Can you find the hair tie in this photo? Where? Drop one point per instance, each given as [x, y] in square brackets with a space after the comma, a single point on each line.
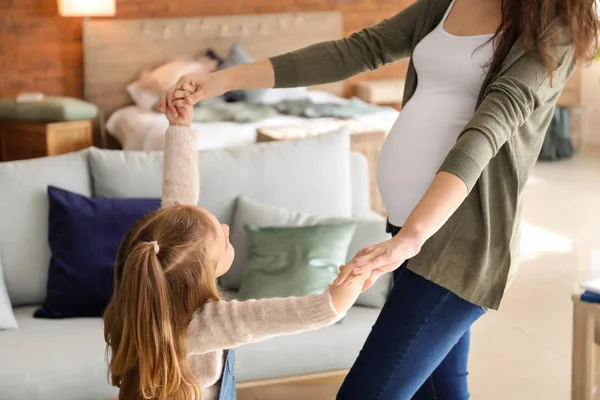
[154, 243]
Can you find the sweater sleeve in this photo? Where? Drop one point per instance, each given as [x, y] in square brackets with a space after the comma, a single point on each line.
[508, 104]
[223, 325]
[333, 61]
[181, 179]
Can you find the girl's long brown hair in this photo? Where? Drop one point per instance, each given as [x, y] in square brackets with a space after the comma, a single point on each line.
[154, 298]
[531, 20]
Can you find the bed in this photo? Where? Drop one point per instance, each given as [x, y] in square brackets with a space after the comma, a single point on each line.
[116, 51]
[138, 129]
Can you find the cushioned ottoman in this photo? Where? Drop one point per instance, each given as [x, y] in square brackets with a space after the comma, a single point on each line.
[49, 109]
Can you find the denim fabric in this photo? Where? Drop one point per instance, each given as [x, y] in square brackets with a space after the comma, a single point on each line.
[419, 346]
[228, 391]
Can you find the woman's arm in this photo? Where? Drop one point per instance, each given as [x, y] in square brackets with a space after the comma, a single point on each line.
[181, 177]
[509, 102]
[442, 199]
[333, 61]
[367, 50]
[222, 325]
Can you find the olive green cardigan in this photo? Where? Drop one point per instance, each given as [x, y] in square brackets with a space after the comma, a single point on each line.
[475, 253]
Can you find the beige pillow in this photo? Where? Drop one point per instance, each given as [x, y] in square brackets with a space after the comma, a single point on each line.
[165, 76]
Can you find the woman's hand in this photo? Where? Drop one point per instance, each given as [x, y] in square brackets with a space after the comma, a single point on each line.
[379, 259]
[199, 87]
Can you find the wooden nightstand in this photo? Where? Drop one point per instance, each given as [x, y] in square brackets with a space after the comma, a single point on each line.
[383, 92]
[24, 140]
[364, 139]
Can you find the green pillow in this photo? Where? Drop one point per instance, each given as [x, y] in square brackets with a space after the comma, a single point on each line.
[49, 109]
[293, 261]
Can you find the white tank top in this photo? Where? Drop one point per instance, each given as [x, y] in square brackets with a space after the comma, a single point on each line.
[450, 71]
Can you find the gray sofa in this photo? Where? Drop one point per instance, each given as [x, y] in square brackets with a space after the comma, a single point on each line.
[65, 359]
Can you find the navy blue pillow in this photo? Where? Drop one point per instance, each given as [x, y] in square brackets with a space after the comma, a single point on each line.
[84, 235]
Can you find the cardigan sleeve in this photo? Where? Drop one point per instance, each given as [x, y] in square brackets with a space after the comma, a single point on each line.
[333, 61]
[223, 325]
[181, 176]
[509, 103]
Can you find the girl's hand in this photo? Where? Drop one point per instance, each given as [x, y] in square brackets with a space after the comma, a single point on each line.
[199, 87]
[185, 111]
[344, 296]
[379, 259]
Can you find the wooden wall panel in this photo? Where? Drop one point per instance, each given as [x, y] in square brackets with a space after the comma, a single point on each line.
[40, 50]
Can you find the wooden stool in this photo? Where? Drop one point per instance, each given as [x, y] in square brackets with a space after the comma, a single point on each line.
[25, 140]
[586, 317]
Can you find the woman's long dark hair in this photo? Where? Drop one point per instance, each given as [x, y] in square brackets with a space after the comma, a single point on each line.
[531, 19]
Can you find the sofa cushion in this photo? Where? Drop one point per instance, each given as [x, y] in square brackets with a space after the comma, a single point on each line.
[333, 348]
[293, 261]
[7, 318]
[54, 359]
[64, 359]
[85, 234]
[311, 175]
[250, 212]
[24, 218]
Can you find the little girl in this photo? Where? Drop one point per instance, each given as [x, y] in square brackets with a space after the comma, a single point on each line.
[168, 328]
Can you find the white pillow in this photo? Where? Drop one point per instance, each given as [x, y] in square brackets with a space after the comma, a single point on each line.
[166, 75]
[250, 212]
[145, 99]
[7, 318]
[277, 95]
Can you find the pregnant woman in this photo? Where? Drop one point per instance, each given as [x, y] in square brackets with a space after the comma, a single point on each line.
[482, 85]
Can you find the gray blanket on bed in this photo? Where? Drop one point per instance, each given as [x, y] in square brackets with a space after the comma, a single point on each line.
[217, 110]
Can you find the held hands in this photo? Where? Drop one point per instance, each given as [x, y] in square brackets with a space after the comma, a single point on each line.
[189, 90]
[256, 75]
[184, 111]
[379, 259]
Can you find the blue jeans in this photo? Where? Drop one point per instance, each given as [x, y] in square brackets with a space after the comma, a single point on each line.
[228, 389]
[418, 348]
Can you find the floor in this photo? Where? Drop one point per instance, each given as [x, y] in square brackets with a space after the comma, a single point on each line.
[523, 351]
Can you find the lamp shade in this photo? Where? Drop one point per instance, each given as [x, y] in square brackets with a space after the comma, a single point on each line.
[87, 8]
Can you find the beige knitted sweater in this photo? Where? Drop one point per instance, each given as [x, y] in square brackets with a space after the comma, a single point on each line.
[222, 325]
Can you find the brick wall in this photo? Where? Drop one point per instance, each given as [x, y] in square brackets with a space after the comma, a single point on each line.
[41, 51]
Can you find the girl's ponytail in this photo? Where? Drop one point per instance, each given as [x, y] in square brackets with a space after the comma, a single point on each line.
[150, 350]
[163, 274]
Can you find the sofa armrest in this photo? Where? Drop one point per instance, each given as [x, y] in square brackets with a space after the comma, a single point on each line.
[370, 215]
[360, 185]
[370, 231]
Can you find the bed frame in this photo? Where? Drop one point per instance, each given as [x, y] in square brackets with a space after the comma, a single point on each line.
[117, 51]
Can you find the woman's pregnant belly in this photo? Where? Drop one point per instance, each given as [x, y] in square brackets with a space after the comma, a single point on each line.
[423, 135]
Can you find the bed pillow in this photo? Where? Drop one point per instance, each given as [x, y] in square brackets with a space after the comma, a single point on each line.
[143, 98]
[253, 213]
[7, 318]
[165, 76]
[84, 235]
[238, 56]
[293, 261]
